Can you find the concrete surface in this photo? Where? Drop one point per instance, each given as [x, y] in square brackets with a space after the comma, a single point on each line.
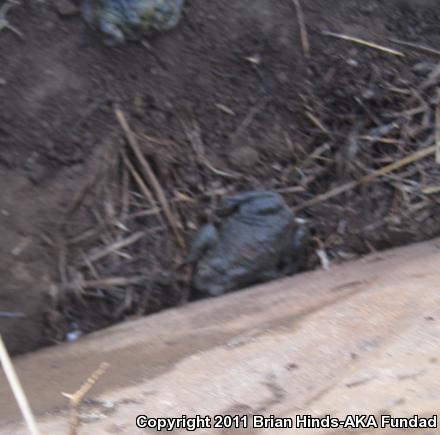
[363, 338]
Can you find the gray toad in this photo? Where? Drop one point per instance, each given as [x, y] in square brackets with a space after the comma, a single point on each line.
[258, 240]
[132, 19]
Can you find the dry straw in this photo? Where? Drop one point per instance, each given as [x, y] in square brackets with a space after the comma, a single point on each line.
[17, 389]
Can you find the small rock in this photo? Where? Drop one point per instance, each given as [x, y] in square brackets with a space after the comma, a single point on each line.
[282, 77]
[65, 8]
[244, 157]
[368, 94]
[74, 334]
[423, 68]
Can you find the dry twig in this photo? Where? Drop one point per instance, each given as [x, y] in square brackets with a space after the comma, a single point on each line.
[151, 177]
[431, 190]
[363, 42]
[225, 109]
[368, 178]
[115, 247]
[106, 283]
[77, 397]
[158, 141]
[17, 389]
[416, 46]
[318, 123]
[195, 140]
[302, 28]
[249, 118]
[141, 185]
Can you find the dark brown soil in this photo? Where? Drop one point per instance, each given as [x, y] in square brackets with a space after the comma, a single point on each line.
[224, 102]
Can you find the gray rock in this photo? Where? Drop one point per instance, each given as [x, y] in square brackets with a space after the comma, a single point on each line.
[65, 8]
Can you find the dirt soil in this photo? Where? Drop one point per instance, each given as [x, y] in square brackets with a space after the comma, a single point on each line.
[226, 101]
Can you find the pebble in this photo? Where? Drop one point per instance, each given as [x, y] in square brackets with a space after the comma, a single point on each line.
[65, 8]
[244, 157]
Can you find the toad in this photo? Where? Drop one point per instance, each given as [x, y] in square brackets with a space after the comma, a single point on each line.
[258, 240]
[119, 20]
